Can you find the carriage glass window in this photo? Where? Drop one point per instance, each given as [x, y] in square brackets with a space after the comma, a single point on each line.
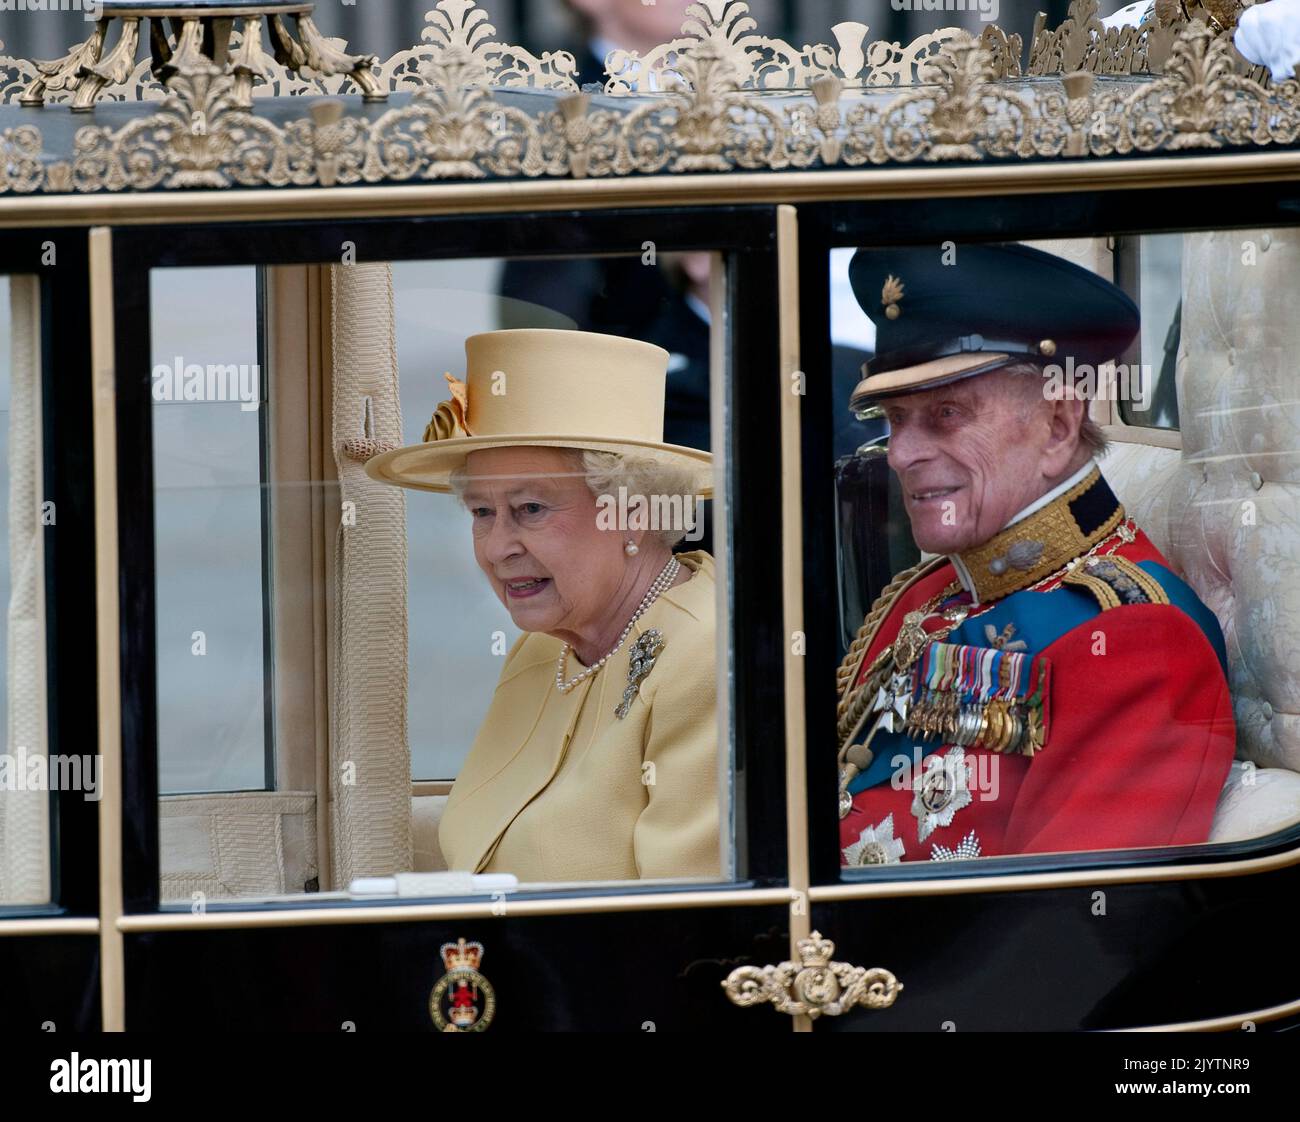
[430, 593]
[27, 773]
[1149, 267]
[1060, 635]
[208, 436]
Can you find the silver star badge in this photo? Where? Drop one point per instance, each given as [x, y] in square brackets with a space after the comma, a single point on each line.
[876, 845]
[893, 703]
[941, 791]
[967, 849]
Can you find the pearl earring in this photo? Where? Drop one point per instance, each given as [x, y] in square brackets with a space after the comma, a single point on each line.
[631, 548]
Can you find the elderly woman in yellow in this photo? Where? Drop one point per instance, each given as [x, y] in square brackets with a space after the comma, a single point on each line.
[598, 758]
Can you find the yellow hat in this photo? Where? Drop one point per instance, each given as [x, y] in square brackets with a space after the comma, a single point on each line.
[552, 389]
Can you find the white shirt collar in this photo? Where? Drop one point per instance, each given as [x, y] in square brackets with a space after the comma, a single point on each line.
[963, 574]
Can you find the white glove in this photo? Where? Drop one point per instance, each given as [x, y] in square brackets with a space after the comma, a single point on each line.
[1269, 35]
[1129, 16]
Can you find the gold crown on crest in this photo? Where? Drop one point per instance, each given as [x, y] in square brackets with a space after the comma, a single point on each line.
[461, 955]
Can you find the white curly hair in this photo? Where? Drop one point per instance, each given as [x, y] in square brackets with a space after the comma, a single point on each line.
[1091, 435]
[664, 487]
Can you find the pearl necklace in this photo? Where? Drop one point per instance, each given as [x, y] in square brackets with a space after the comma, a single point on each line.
[662, 581]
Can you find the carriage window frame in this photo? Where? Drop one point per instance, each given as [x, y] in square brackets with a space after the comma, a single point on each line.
[55, 258]
[914, 217]
[745, 237]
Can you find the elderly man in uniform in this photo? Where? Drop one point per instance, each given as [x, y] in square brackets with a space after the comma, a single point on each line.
[1046, 682]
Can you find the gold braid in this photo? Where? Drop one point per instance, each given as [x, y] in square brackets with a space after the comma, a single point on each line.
[853, 702]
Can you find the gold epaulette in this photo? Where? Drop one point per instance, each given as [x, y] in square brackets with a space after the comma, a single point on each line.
[849, 669]
[1116, 581]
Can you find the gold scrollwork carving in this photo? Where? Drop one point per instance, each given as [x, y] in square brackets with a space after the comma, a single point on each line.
[1083, 43]
[206, 132]
[20, 159]
[200, 137]
[453, 128]
[958, 113]
[86, 73]
[815, 986]
[462, 26]
[62, 75]
[760, 62]
[1200, 102]
[1073, 44]
[451, 23]
[15, 75]
[726, 30]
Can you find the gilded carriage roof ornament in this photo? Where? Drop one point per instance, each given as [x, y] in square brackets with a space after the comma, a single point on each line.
[758, 62]
[699, 104]
[1082, 43]
[203, 31]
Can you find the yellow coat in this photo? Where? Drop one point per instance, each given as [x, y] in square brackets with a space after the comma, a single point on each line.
[557, 788]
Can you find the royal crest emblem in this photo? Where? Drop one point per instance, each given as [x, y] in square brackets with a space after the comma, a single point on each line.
[462, 1000]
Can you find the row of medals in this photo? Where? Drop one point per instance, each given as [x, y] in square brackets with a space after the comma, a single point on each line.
[998, 725]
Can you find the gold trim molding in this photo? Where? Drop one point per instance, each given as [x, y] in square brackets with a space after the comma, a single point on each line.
[52, 925]
[301, 912]
[1226, 1024]
[710, 112]
[867, 889]
[949, 181]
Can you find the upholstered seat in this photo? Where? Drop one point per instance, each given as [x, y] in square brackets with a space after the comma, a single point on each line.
[1225, 510]
[426, 813]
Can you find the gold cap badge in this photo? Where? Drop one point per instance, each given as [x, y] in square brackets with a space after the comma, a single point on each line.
[890, 295]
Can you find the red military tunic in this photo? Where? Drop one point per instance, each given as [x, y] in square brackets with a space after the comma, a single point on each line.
[1137, 731]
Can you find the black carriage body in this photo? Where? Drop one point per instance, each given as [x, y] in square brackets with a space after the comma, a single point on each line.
[1013, 945]
[1003, 944]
